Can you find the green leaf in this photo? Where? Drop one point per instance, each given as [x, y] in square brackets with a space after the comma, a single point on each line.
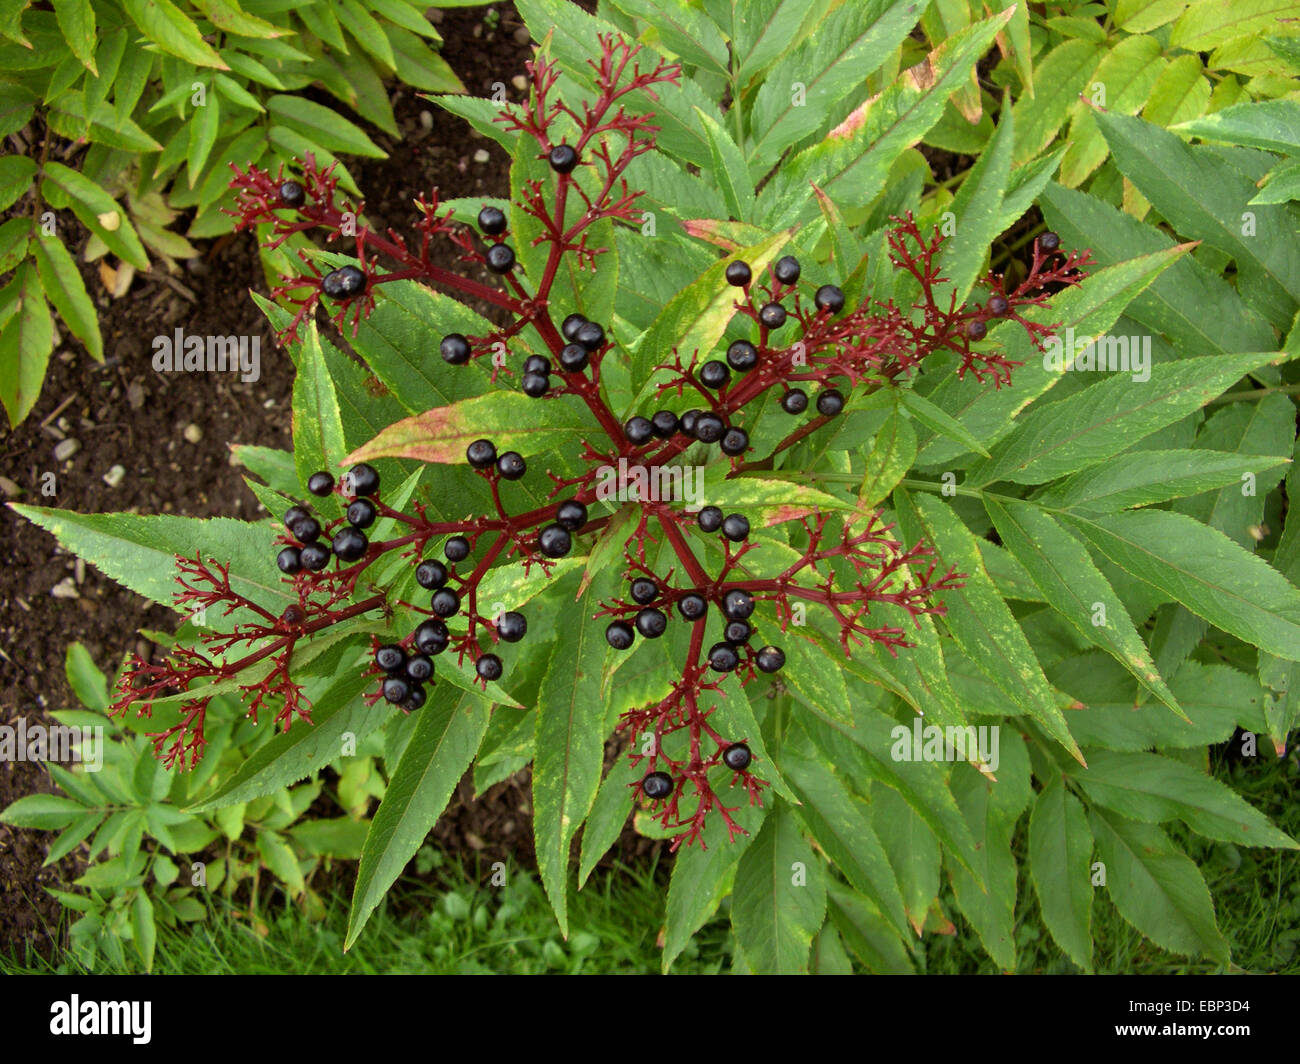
[1060, 865]
[89, 202]
[278, 857]
[173, 31]
[227, 16]
[76, 20]
[1156, 888]
[728, 168]
[1153, 789]
[87, 682]
[913, 852]
[867, 933]
[1206, 25]
[1270, 124]
[317, 425]
[446, 738]
[203, 135]
[1204, 570]
[609, 812]
[939, 421]
[42, 811]
[779, 900]
[368, 33]
[1059, 564]
[144, 931]
[892, 453]
[684, 29]
[1059, 78]
[323, 126]
[66, 290]
[26, 341]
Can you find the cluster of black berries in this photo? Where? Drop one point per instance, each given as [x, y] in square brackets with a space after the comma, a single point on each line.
[737, 605]
[554, 540]
[349, 543]
[659, 785]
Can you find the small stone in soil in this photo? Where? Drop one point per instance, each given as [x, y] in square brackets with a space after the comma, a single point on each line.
[520, 82]
[65, 449]
[193, 433]
[481, 156]
[115, 476]
[65, 588]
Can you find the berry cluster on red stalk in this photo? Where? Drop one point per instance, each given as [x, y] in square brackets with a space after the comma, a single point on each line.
[845, 567]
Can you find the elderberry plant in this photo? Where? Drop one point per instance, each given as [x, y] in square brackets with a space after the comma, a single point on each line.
[691, 482]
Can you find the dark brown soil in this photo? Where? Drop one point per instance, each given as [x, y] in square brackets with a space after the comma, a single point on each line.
[124, 413]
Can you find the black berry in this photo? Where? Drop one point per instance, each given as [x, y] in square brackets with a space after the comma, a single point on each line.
[619, 635]
[770, 659]
[512, 627]
[657, 785]
[361, 479]
[795, 401]
[481, 454]
[456, 549]
[489, 667]
[416, 698]
[291, 194]
[361, 513]
[686, 423]
[295, 514]
[829, 402]
[396, 689]
[735, 527]
[511, 465]
[723, 657]
[563, 158]
[289, 560]
[692, 607]
[590, 335]
[445, 602]
[571, 325]
[736, 441]
[571, 515]
[772, 315]
[492, 221]
[535, 384]
[431, 574]
[1049, 241]
[739, 273]
[742, 356]
[537, 364]
[651, 623]
[419, 668]
[306, 529]
[349, 543]
[554, 541]
[343, 283]
[321, 483]
[709, 428]
[315, 556]
[786, 270]
[997, 305]
[664, 424]
[644, 591]
[737, 757]
[638, 429]
[714, 374]
[709, 519]
[830, 298]
[454, 349]
[431, 638]
[574, 358]
[976, 330]
[737, 604]
[737, 632]
[390, 658]
[500, 258]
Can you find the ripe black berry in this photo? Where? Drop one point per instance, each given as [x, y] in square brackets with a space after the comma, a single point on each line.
[361, 479]
[571, 325]
[390, 657]
[481, 454]
[723, 657]
[829, 402]
[554, 541]
[742, 356]
[657, 785]
[563, 158]
[361, 513]
[644, 591]
[830, 298]
[396, 689]
[489, 667]
[735, 527]
[295, 514]
[321, 483]
[651, 623]
[618, 634]
[456, 549]
[419, 668]
[795, 401]
[343, 283]
[737, 604]
[431, 638]
[314, 556]
[430, 574]
[737, 757]
[739, 273]
[997, 305]
[415, 699]
[692, 607]
[445, 602]
[492, 221]
[638, 429]
[976, 330]
[289, 560]
[714, 374]
[664, 424]
[772, 315]
[306, 529]
[574, 358]
[709, 519]
[786, 269]
[349, 543]
[512, 626]
[535, 384]
[571, 515]
[686, 423]
[590, 335]
[737, 632]
[770, 659]
[454, 349]
[537, 364]
[511, 465]
[500, 258]
[736, 441]
[709, 428]
[291, 194]
[1049, 241]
